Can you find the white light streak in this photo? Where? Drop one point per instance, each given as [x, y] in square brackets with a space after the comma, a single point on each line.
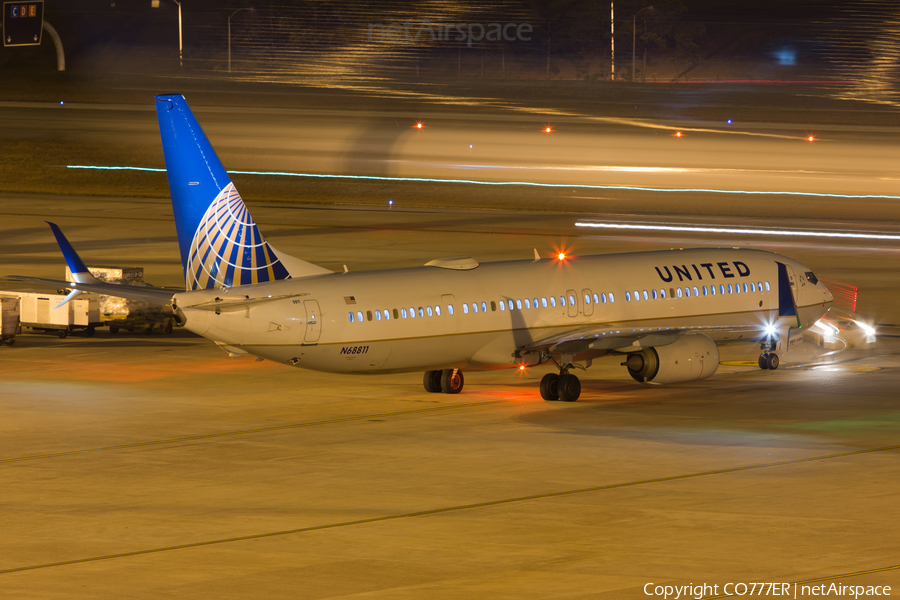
[740, 230]
[583, 186]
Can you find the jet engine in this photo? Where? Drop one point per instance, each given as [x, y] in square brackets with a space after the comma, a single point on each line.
[692, 357]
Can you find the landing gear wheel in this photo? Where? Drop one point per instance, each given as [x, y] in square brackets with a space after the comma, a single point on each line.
[89, 332]
[432, 381]
[113, 329]
[11, 341]
[773, 361]
[763, 362]
[569, 388]
[451, 381]
[550, 387]
[168, 328]
[62, 334]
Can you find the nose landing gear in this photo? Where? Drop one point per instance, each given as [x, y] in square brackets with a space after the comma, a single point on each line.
[767, 357]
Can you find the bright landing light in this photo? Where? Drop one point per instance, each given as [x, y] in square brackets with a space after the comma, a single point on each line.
[739, 230]
[870, 331]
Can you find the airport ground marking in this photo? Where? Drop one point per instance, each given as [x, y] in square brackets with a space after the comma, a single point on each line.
[507, 183]
[224, 434]
[461, 507]
[826, 578]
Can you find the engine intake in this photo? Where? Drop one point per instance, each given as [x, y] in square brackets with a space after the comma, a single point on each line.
[691, 358]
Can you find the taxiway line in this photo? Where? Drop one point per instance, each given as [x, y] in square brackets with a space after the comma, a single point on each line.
[206, 436]
[449, 509]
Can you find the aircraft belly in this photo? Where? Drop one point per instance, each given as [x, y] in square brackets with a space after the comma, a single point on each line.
[425, 354]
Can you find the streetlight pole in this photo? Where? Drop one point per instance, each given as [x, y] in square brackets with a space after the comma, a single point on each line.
[180, 47]
[612, 41]
[229, 34]
[155, 4]
[634, 37]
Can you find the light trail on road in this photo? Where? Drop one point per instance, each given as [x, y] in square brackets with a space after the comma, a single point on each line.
[738, 230]
[512, 183]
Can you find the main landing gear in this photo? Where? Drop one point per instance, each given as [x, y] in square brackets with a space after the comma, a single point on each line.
[565, 386]
[449, 381]
[767, 357]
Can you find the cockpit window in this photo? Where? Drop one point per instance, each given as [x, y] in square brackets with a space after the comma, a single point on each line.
[811, 277]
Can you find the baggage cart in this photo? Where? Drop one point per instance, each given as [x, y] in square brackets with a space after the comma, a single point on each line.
[9, 319]
[39, 313]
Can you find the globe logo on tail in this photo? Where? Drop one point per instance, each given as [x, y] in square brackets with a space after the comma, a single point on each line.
[228, 249]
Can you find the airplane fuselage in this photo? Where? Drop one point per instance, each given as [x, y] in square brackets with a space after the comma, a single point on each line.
[479, 317]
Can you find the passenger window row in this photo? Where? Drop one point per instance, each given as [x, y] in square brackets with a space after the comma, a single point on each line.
[403, 313]
[552, 302]
[688, 291]
[476, 307]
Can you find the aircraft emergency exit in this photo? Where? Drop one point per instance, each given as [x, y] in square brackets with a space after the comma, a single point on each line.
[662, 313]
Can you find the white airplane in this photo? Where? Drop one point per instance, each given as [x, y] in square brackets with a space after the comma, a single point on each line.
[663, 312]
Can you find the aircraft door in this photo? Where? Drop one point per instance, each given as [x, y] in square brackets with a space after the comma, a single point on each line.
[792, 278]
[588, 302]
[572, 302]
[313, 322]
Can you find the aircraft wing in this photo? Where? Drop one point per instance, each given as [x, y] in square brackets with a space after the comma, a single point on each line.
[85, 282]
[605, 337]
[147, 294]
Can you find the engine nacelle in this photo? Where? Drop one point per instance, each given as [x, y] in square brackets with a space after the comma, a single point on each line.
[691, 358]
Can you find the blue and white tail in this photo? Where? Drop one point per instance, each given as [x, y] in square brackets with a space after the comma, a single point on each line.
[220, 244]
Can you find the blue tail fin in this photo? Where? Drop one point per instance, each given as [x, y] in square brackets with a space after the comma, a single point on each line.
[221, 246]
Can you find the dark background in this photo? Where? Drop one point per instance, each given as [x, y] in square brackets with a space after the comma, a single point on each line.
[689, 39]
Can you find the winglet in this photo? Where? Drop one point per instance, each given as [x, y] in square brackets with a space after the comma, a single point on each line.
[537, 256]
[68, 297]
[77, 267]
